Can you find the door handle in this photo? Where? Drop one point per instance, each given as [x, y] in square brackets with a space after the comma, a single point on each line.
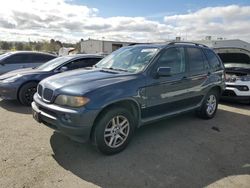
[184, 78]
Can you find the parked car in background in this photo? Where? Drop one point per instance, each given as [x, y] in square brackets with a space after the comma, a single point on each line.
[21, 59]
[22, 84]
[237, 66]
[131, 87]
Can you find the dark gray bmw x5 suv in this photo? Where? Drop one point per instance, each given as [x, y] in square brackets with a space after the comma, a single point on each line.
[133, 86]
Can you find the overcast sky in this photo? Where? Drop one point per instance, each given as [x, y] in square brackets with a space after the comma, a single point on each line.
[131, 20]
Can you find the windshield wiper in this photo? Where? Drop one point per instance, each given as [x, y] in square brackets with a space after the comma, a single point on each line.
[117, 69]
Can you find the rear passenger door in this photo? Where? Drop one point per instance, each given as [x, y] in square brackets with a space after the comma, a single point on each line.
[198, 71]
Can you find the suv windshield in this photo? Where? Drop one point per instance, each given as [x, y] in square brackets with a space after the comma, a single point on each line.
[52, 64]
[129, 59]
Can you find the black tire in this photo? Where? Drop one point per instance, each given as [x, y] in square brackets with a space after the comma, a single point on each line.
[203, 111]
[105, 122]
[26, 93]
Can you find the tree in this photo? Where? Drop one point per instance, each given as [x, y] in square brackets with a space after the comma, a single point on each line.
[27, 47]
[38, 46]
[19, 46]
[6, 45]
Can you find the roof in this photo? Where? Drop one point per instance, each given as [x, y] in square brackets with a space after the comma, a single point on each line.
[85, 55]
[32, 52]
[163, 45]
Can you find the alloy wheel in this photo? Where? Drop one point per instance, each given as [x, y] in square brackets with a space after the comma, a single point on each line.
[116, 131]
[211, 104]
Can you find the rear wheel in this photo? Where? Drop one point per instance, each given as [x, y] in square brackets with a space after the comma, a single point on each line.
[27, 92]
[114, 130]
[209, 106]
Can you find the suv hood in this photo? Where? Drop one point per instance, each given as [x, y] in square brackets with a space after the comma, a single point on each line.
[23, 72]
[79, 82]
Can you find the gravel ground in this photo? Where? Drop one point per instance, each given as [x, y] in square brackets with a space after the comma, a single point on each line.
[183, 151]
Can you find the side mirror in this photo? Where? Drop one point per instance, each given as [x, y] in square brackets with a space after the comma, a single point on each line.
[163, 71]
[63, 69]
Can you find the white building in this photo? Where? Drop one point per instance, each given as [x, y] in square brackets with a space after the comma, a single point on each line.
[234, 43]
[92, 46]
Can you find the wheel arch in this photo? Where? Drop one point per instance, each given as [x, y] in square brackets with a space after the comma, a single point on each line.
[216, 88]
[131, 104]
[24, 83]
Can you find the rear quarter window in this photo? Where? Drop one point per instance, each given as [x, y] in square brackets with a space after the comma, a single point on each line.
[213, 60]
[40, 58]
[17, 59]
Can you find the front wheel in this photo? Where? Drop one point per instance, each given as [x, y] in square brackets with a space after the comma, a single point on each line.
[209, 106]
[114, 130]
[27, 92]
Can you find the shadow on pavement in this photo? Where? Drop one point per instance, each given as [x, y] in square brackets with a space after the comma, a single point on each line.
[15, 106]
[183, 151]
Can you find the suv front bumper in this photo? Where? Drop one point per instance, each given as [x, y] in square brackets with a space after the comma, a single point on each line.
[74, 123]
[236, 91]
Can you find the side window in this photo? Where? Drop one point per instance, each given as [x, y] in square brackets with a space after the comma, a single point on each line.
[39, 58]
[80, 63]
[173, 58]
[213, 60]
[17, 59]
[92, 61]
[196, 61]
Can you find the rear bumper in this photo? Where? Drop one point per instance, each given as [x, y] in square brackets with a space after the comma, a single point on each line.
[8, 91]
[76, 124]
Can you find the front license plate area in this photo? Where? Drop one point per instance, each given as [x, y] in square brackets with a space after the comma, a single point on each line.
[36, 116]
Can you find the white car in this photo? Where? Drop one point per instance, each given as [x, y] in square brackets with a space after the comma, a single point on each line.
[237, 66]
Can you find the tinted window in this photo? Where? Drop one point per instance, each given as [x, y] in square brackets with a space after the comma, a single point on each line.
[81, 63]
[173, 58]
[196, 62]
[40, 58]
[91, 62]
[17, 59]
[213, 60]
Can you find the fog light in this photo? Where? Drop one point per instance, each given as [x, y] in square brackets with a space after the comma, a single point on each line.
[66, 117]
[245, 88]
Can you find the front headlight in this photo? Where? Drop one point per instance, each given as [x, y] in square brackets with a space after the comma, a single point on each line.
[12, 79]
[72, 101]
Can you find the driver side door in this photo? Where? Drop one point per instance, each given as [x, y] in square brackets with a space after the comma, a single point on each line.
[168, 94]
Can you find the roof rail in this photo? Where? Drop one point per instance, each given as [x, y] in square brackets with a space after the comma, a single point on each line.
[133, 44]
[196, 44]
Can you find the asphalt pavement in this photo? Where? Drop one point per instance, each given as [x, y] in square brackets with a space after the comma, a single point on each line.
[183, 151]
